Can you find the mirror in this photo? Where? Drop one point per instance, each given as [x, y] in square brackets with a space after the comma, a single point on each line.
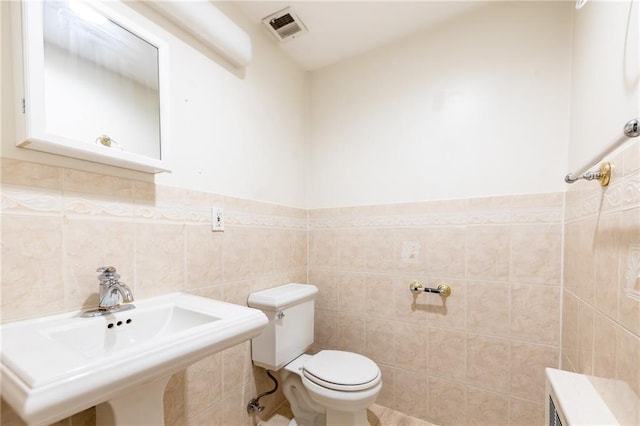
[93, 86]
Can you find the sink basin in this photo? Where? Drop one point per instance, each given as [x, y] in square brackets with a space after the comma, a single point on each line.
[56, 366]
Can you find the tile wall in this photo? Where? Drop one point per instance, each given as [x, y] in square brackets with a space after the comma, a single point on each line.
[479, 357]
[601, 313]
[59, 225]
[476, 359]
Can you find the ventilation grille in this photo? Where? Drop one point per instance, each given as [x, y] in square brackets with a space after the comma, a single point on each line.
[554, 418]
[285, 24]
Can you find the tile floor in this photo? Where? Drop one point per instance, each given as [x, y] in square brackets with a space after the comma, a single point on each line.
[377, 415]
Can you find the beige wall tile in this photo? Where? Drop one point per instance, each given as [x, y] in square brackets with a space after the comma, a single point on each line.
[385, 397]
[16, 172]
[570, 328]
[212, 292]
[261, 251]
[630, 189]
[210, 417]
[487, 408]
[150, 194]
[323, 246]
[606, 254]
[446, 252]
[488, 364]
[535, 313]
[352, 289]
[585, 260]
[628, 306]
[31, 267]
[378, 250]
[379, 296]
[328, 284]
[159, 254]
[571, 256]
[203, 256]
[237, 292]
[605, 346]
[236, 258]
[234, 409]
[488, 252]
[528, 362]
[203, 383]
[447, 403]
[525, 413]
[535, 254]
[545, 200]
[379, 346]
[327, 329]
[351, 249]
[93, 183]
[410, 390]
[410, 346]
[488, 308]
[236, 366]
[585, 339]
[628, 359]
[447, 354]
[290, 249]
[495, 203]
[352, 333]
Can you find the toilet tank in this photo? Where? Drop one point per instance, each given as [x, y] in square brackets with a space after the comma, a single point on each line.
[290, 310]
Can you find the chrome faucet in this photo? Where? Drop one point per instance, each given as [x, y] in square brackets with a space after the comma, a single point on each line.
[111, 289]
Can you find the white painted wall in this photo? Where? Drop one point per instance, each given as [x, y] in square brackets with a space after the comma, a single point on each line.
[237, 134]
[605, 78]
[477, 106]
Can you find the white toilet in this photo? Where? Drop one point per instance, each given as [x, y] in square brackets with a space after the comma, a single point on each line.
[329, 388]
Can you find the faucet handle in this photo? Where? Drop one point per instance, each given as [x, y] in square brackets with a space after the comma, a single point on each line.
[107, 273]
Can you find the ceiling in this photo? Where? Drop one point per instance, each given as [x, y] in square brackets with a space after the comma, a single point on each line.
[341, 29]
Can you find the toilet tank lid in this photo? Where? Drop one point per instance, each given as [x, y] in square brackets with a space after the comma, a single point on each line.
[282, 297]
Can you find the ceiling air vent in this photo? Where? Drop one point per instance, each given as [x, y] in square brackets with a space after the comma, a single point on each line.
[285, 24]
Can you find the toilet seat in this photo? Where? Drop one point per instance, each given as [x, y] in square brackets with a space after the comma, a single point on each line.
[342, 371]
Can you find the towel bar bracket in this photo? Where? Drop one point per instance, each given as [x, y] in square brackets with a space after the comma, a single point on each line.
[632, 128]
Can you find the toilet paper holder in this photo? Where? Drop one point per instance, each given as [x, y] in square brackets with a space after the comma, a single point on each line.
[443, 289]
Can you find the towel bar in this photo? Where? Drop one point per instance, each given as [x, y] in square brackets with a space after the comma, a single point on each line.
[443, 289]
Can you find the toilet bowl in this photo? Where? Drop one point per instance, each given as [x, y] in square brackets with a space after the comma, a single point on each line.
[329, 388]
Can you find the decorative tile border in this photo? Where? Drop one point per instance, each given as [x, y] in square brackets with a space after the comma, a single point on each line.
[632, 274]
[537, 215]
[27, 200]
[468, 218]
[96, 207]
[261, 220]
[631, 191]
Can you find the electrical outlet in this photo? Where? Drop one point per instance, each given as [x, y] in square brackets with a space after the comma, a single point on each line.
[217, 219]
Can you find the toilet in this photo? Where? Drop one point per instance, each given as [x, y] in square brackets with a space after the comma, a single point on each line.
[329, 388]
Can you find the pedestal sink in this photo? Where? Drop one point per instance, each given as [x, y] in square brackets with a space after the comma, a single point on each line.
[56, 366]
